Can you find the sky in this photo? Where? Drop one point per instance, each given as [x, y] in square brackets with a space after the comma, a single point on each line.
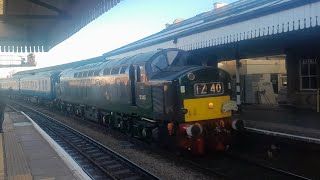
[127, 22]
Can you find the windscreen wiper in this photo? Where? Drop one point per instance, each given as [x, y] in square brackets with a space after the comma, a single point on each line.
[158, 68]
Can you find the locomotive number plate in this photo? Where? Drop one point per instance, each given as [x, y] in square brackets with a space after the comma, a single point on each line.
[201, 89]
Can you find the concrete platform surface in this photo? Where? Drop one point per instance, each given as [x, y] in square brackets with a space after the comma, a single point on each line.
[25, 154]
[282, 119]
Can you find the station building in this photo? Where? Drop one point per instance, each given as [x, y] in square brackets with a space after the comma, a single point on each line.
[263, 80]
[303, 69]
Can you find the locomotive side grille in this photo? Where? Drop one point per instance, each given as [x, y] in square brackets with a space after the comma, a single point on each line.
[158, 99]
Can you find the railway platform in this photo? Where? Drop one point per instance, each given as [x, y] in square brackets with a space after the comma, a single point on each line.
[26, 154]
[285, 121]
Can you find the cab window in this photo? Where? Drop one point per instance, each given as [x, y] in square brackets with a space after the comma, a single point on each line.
[159, 63]
[172, 56]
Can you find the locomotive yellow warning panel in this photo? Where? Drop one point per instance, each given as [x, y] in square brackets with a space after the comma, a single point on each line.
[205, 108]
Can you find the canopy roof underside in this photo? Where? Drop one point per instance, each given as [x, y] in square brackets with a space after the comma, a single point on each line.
[39, 25]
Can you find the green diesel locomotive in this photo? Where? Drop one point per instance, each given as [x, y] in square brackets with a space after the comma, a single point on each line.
[165, 96]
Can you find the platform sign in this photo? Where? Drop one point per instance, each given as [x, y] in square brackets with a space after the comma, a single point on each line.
[310, 61]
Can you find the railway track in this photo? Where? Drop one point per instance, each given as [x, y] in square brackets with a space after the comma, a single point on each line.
[227, 166]
[98, 161]
[231, 167]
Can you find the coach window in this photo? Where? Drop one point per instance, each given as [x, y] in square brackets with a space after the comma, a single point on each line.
[80, 74]
[309, 73]
[96, 72]
[106, 71]
[90, 73]
[115, 70]
[123, 69]
[159, 63]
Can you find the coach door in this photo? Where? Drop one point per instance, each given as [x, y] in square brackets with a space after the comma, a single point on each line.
[132, 77]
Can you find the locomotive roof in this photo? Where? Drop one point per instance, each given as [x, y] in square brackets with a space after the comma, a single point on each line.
[89, 66]
[110, 63]
[61, 67]
[38, 75]
[10, 79]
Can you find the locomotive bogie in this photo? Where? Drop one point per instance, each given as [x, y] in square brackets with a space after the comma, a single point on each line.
[211, 134]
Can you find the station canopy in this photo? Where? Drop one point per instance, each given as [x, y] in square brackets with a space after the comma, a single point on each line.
[39, 25]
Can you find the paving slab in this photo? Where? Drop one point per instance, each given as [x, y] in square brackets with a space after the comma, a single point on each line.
[25, 154]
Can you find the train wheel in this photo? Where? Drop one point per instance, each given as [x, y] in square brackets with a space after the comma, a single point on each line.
[104, 120]
[129, 127]
[77, 112]
[107, 121]
[110, 122]
[99, 117]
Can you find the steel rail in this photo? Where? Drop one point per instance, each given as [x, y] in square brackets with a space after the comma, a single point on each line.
[228, 173]
[143, 174]
[280, 171]
[225, 176]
